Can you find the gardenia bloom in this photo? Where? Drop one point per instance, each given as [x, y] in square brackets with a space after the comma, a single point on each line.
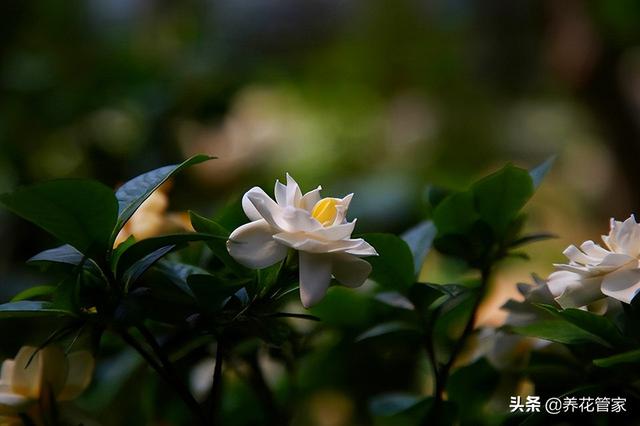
[594, 272]
[25, 378]
[316, 227]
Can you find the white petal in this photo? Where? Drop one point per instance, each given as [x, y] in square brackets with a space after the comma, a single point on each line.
[572, 290]
[315, 276]
[350, 270]
[593, 250]
[362, 249]
[342, 207]
[294, 195]
[622, 285]
[335, 232]
[299, 220]
[310, 199]
[248, 207]
[280, 191]
[268, 209]
[305, 242]
[81, 365]
[253, 245]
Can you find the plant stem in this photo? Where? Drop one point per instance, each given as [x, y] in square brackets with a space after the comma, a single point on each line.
[442, 375]
[215, 396]
[161, 369]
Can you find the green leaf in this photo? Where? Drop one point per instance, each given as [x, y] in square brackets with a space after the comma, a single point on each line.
[538, 173]
[387, 328]
[81, 213]
[63, 254]
[558, 331]
[419, 239]
[178, 273]
[597, 325]
[134, 192]
[393, 267]
[471, 387]
[30, 308]
[500, 196]
[218, 245]
[455, 214]
[393, 403]
[139, 268]
[34, 292]
[630, 357]
[147, 246]
[211, 292]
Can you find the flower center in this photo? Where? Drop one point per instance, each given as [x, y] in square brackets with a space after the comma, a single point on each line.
[325, 211]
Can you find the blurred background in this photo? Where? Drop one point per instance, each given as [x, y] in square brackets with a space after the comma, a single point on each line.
[374, 97]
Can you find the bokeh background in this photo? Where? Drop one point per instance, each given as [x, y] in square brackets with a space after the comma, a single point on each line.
[375, 97]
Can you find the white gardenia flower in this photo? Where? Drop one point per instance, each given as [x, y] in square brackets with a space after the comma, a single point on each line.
[34, 371]
[594, 272]
[316, 227]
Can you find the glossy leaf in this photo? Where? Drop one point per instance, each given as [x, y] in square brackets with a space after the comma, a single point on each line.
[419, 239]
[81, 213]
[393, 268]
[63, 254]
[30, 308]
[630, 357]
[499, 197]
[134, 192]
[387, 328]
[539, 172]
[34, 292]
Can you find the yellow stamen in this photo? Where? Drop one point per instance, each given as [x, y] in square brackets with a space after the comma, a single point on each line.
[325, 211]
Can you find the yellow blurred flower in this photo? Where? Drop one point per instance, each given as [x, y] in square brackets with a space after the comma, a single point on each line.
[35, 372]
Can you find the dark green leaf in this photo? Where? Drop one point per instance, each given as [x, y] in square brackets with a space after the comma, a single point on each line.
[139, 268]
[81, 213]
[393, 403]
[395, 299]
[630, 357]
[30, 308]
[219, 245]
[147, 246]
[419, 239]
[532, 238]
[455, 214]
[558, 331]
[178, 273]
[34, 292]
[500, 196]
[211, 292]
[471, 387]
[393, 268]
[133, 193]
[63, 254]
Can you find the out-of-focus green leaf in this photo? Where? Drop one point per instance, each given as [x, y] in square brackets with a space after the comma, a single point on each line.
[407, 410]
[31, 308]
[395, 299]
[34, 292]
[532, 238]
[392, 327]
[539, 172]
[471, 387]
[81, 213]
[393, 403]
[455, 214]
[630, 357]
[393, 267]
[499, 197]
[134, 192]
[419, 239]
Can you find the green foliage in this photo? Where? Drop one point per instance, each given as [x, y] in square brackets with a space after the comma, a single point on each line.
[133, 193]
[77, 212]
[393, 268]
